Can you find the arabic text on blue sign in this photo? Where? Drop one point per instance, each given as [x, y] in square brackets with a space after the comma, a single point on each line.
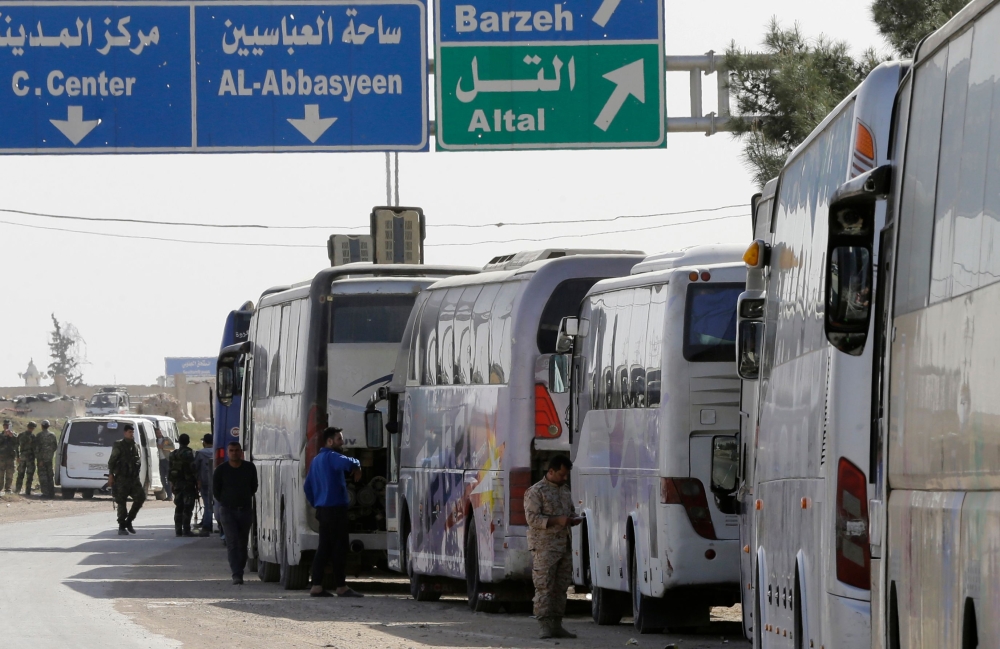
[213, 77]
[197, 366]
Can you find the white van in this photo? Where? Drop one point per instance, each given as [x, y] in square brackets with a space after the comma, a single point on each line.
[85, 448]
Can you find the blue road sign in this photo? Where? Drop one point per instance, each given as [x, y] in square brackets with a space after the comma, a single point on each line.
[213, 77]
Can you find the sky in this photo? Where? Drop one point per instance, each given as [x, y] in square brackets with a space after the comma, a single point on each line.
[137, 301]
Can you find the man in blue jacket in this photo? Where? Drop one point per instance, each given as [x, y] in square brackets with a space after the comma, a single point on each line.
[326, 490]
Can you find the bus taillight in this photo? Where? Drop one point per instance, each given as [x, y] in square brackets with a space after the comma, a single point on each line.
[547, 425]
[220, 456]
[520, 480]
[690, 493]
[853, 554]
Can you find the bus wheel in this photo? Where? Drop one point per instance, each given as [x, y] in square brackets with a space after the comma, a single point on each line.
[268, 571]
[644, 618]
[252, 563]
[605, 606]
[291, 577]
[474, 587]
[87, 494]
[68, 493]
[420, 587]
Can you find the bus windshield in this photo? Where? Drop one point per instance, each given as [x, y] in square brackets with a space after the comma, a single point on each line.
[370, 318]
[710, 323]
[95, 433]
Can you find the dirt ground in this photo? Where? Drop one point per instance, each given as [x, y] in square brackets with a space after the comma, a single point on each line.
[17, 507]
[186, 595]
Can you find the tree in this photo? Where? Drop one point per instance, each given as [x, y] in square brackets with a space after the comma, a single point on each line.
[65, 347]
[783, 92]
[904, 22]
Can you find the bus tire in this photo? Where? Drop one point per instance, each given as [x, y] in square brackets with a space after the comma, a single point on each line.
[291, 577]
[68, 493]
[474, 587]
[252, 562]
[605, 606]
[420, 586]
[87, 494]
[267, 571]
[644, 617]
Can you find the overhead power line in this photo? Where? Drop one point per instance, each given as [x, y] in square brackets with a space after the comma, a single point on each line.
[260, 226]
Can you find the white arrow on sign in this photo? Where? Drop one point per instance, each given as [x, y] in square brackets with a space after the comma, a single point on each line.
[629, 80]
[313, 126]
[604, 12]
[74, 126]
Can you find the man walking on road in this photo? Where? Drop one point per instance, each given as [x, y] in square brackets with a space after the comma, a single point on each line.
[8, 455]
[184, 483]
[123, 476]
[164, 447]
[45, 445]
[326, 490]
[26, 459]
[548, 506]
[203, 462]
[233, 485]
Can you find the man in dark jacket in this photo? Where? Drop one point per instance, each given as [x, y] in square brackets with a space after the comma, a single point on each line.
[123, 476]
[8, 455]
[233, 485]
[326, 490]
[184, 483]
[204, 465]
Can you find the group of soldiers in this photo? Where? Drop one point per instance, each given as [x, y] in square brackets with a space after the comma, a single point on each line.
[25, 451]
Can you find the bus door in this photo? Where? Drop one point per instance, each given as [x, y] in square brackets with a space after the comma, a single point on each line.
[392, 495]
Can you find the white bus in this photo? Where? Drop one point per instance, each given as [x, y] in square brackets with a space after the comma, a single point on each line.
[750, 314]
[655, 429]
[935, 517]
[810, 458]
[316, 351]
[482, 409]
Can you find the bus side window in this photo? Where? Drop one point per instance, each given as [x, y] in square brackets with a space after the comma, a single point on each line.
[463, 335]
[275, 349]
[598, 319]
[654, 344]
[501, 332]
[284, 347]
[428, 338]
[416, 345]
[446, 337]
[622, 393]
[262, 342]
[607, 388]
[637, 348]
[481, 315]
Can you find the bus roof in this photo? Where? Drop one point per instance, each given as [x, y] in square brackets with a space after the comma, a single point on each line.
[708, 255]
[966, 15]
[578, 261]
[525, 257]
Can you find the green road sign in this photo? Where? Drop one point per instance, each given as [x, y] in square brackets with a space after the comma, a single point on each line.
[550, 76]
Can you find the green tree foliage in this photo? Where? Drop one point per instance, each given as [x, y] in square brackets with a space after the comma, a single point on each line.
[904, 22]
[785, 90]
[64, 346]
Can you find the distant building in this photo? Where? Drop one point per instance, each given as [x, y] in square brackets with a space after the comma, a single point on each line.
[32, 377]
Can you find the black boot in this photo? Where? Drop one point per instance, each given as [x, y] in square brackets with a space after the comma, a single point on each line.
[128, 525]
[122, 531]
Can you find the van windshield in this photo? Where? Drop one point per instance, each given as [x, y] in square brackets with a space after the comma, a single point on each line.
[104, 400]
[370, 318]
[710, 323]
[95, 433]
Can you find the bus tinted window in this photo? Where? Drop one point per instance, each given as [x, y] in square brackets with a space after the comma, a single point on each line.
[370, 318]
[564, 301]
[446, 337]
[710, 323]
[637, 349]
[481, 333]
[261, 342]
[501, 332]
[463, 335]
[427, 340]
[620, 396]
[95, 433]
[654, 343]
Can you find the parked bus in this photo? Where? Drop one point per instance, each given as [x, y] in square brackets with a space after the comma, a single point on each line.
[477, 408]
[316, 351]
[654, 431]
[226, 422]
[810, 459]
[935, 516]
[750, 317]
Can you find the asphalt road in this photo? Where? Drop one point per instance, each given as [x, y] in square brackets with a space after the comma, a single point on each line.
[71, 582]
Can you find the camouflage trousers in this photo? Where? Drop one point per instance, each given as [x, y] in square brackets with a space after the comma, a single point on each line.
[552, 574]
[122, 493]
[7, 472]
[184, 498]
[25, 466]
[45, 478]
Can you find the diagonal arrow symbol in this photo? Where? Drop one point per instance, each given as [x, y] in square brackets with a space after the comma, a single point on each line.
[312, 126]
[74, 126]
[628, 80]
[604, 12]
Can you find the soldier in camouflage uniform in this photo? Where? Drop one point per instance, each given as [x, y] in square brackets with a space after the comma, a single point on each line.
[44, 446]
[8, 455]
[548, 506]
[26, 459]
[185, 485]
[124, 467]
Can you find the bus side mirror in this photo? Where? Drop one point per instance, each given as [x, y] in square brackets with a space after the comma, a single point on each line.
[850, 269]
[569, 329]
[749, 334]
[373, 428]
[225, 381]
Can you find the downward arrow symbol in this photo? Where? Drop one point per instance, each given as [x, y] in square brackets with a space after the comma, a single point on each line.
[629, 80]
[313, 126]
[74, 126]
